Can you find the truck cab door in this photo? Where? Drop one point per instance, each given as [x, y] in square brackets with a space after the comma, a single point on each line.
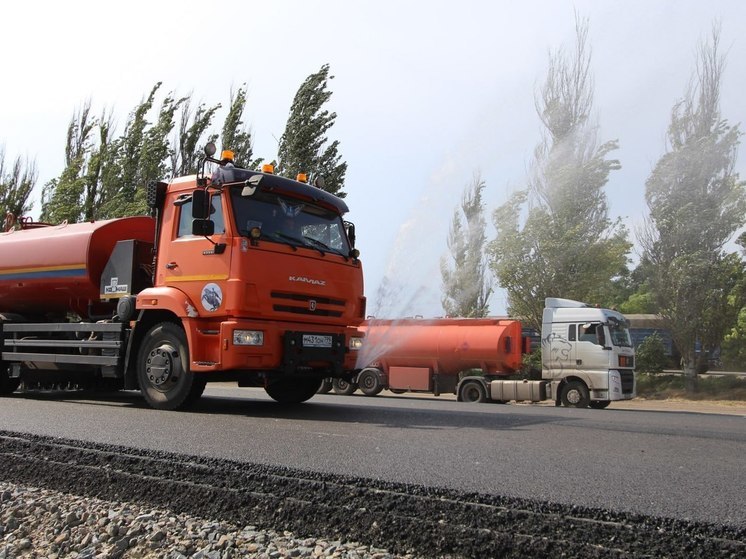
[591, 349]
[190, 262]
[558, 349]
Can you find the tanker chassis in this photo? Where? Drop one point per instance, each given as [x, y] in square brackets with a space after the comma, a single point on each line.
[242, 276]
[587, 358]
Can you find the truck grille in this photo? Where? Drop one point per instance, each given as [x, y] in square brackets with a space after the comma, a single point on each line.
[628, 381]
[300, 303]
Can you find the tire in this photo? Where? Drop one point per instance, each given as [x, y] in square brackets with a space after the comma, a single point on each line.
[326, 386]
[166, 382]
[473, 391]
[343, 387]
[293, 390]
[575, 395]
[599, 404]
[7, 385]
[369, 382]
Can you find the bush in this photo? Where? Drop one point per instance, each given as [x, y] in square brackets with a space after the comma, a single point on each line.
[650, 356]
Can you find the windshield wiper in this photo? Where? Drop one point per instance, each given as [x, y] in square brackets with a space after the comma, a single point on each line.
[322, 244]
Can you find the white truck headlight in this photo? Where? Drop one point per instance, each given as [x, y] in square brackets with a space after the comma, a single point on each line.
[248, 337]
[356, 343]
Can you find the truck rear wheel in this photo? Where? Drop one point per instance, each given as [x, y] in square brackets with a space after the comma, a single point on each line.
[343, 387]
[163, 371]
[369, 382]
[473, 391]
[293, 390]
[575, 395]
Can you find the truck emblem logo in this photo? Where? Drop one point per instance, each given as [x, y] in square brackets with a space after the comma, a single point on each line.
[212, 296]
[303, 279]
[311, 305]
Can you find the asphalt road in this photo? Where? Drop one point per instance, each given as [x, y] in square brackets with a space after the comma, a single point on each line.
[680, 465]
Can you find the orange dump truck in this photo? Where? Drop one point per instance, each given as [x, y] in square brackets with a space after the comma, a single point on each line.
[240, 276]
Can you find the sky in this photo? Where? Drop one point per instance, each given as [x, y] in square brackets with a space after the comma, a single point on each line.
[426, 94]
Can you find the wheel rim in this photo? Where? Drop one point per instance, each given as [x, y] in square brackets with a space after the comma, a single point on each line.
[161, 366]
[573, 396]
[471, 394]
[369, 383]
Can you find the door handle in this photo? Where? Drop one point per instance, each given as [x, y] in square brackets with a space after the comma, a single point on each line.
[578, 361]
[171, 265]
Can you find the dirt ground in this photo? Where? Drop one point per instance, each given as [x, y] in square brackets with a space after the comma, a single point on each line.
[691, 406]
[726, 407]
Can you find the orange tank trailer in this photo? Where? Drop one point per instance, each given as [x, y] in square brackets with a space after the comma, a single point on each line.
[428, 355]
[57, 270]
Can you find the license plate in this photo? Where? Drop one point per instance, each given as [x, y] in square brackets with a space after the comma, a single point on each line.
[315, 340]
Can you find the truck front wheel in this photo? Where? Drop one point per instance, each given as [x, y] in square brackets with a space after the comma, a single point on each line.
[163, 371]
[293, 390]
[575, 395]
[369, 382]
[473, 391]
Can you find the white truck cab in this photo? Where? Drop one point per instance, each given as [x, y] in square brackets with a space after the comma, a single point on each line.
[587, 354]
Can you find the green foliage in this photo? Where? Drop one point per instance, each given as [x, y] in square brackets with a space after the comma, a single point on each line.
[733, 349]
[62, 198]
[567, 246]
[531, 365]
[189, 147]
[650, 355]
[304, 146]
[697, 203]
[16, 184]
[466, 286]
[105, 176]
[235, 135]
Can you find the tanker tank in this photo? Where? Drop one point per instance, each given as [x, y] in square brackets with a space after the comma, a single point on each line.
[56, 270]
[448, 345]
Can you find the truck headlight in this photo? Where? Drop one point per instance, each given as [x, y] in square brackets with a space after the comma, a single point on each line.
[356, 343]
[248, 337]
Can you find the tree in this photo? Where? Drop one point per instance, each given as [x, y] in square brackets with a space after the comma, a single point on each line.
[567, 245]
[16, 184]
[188, 145]
[650, 355]
[466, 284]
[696, 204]
[304, 146]
[137, 157]
[235, 135]
[63, 197]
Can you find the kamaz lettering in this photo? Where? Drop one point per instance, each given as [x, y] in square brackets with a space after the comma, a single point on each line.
[307, 280]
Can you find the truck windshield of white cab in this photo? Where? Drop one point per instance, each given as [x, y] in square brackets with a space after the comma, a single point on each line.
[619, 334]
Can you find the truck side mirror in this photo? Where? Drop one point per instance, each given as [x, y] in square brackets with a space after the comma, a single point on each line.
[203, 227]
[350, 232]
[200, 204]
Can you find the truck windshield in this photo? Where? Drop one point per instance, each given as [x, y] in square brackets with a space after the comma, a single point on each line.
[289, 221]
[619, 335]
